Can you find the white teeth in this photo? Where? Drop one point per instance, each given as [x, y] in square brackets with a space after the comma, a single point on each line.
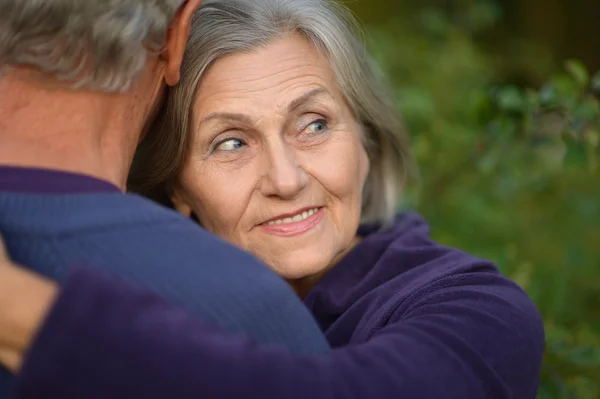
[295, 218]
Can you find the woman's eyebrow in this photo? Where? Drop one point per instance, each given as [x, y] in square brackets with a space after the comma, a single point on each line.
[227, 116]
[306, 97]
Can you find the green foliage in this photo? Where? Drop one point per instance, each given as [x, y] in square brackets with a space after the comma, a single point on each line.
[508, 173]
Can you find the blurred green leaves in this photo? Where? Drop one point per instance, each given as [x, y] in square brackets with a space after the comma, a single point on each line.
[596, 83]
[578, 72]
[509, 173]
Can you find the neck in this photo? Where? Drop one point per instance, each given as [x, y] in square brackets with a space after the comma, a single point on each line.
[302, 286]
[63, 129]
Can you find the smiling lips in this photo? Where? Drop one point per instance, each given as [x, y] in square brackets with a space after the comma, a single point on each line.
[295, 224]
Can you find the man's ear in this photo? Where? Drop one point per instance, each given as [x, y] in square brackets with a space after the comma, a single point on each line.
[177, 37]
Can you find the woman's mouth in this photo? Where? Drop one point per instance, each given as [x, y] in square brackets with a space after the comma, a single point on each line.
[294, 224]
[295, 218]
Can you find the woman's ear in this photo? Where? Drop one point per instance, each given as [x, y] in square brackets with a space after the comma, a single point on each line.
[180, 204]
[177, 37]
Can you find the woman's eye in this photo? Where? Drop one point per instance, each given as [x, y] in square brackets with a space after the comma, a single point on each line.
[230, 145]
[317, 126]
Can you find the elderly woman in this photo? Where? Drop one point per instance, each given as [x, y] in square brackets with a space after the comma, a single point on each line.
[280, 140]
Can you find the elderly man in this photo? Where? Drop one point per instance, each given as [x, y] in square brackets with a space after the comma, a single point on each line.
[79, 83]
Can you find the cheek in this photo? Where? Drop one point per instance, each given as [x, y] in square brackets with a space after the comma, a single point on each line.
[217, 197]
[341, 169]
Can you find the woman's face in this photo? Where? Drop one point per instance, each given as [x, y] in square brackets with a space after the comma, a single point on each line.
[277, 165]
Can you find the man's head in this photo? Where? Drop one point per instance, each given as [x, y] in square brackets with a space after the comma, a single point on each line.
[101, 45]
[80, 80]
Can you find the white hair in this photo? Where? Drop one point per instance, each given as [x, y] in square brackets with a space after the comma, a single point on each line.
[222, 27]
[97, 44]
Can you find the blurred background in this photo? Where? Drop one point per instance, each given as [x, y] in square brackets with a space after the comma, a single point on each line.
[501, 102]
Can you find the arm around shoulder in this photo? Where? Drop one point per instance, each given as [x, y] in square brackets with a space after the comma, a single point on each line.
[469, 336]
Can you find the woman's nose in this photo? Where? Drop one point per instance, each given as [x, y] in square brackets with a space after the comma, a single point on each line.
[283, 176]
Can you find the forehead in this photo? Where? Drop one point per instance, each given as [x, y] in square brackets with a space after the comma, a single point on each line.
[271, 74]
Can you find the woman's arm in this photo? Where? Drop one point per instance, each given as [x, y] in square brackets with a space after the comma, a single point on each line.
[472, 336]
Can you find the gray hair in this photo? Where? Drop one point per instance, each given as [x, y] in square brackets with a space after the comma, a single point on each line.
[222, 27]
[97, 44]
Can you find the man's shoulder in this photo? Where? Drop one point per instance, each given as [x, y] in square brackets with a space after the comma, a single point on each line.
[119, 226]
[121, 234]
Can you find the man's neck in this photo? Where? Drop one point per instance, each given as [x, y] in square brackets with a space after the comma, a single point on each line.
[74, 131]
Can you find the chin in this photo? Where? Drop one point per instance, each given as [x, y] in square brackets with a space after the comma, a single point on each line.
[295, 270]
